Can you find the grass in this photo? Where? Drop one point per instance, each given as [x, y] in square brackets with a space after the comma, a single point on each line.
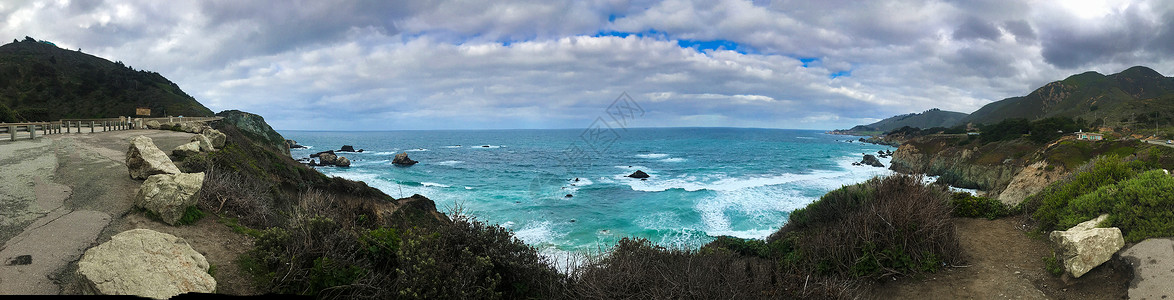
[968, 206]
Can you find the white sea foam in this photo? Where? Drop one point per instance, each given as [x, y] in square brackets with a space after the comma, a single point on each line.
[434, 184]
[673, 160]
[449, 162]
[652, 155]
[451, 147]
[416, 150]
[468, 188]
[380, 152]
[537, 232]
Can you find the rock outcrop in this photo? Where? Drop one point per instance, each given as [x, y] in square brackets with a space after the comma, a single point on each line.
[1084, 246]
[169, 195]
[204, 143]
[254, 126]
[342, 161]
[403, 160]
[639, 174]
[957, 166]
[292, 144]
[328, 158]
[871, 160]
[186, 150]
[145, 263]
[347, 148]
[216, 137]
[143, 159]
[1032, 179]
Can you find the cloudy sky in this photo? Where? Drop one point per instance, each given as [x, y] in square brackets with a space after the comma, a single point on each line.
[387, 65]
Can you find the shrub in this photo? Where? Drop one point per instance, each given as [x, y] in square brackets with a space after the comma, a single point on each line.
[636, 268]
[968, 206]
[1049, 205]
[1142, 207]
[190, 215]
[880, 228]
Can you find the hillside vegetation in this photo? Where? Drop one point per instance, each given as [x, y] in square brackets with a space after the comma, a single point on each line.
[41, 82]
[1137, 97]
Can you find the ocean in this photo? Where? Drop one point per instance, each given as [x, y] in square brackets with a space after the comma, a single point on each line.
[705, 182]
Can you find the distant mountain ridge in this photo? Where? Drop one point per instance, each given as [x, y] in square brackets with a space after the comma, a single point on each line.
[927, 119]
[1138, 96]
[41, 82]
[1121, 98]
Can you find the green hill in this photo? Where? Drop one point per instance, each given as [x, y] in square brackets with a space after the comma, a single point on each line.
[41, 82]
[928, 119]
[1138, 96]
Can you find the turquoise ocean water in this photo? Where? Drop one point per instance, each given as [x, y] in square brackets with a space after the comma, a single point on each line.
[706, 182]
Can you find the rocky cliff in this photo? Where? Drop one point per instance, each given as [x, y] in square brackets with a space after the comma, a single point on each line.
[958, 162]
[255, 127]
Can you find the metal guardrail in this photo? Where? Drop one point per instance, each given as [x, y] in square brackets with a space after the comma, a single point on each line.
[16, 130]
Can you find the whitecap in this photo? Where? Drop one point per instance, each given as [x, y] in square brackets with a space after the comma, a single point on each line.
[434, 184]
[652, 155]
[673, 160]
[449, 162]
[416, 150]
[451, 147]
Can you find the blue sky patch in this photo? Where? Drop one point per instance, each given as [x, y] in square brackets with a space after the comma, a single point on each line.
[840, 74]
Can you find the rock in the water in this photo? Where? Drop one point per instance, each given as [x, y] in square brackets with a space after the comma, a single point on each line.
[216, 137]
[342, 161]
[293, 144]
[204, 142]
[186, 150]
[145, 263]
[320, 153]
[347, 148]
[169, 195]
[872, 161]
[568, 196]
[1084, 247]
[327, 158]
[403, 160]
[143, 159]
[639, 174]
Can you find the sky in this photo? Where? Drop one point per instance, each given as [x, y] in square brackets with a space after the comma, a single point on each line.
[504, 64]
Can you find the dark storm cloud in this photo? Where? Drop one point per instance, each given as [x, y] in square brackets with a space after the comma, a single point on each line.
[1121, 36]
[1020, 29]
[974, 28]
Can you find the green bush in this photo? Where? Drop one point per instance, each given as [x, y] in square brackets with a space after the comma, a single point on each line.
[880, 228]
[1142, 207]
[968, 206]
[1050, 205]
[190, 216]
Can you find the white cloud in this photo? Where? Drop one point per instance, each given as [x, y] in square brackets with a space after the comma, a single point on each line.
[506, 64]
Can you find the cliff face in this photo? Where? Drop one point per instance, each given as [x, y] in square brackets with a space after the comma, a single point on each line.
[254, 125]
[960, 163]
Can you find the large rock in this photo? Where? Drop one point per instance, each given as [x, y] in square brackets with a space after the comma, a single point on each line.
[192, 127]
[152, 124]
[1084, 247]
[204, 143]
[347, 148]
[145, 263]
[169, 195]
[342, 161]
[327, 158]
[1032, 179]
[143, 159]
[871, 160]
[216, 137]
[639, 174]
[1152, 261]
[186, 150]
[403, 160]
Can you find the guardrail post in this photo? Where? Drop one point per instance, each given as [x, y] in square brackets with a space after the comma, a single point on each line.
[32, 132]
[91, 126]
[12, 131]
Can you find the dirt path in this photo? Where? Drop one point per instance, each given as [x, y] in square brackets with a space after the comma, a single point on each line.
[62, 194]
[1003, 262]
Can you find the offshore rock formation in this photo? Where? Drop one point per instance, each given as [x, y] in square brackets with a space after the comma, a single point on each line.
[403, 160]
[145, 263]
